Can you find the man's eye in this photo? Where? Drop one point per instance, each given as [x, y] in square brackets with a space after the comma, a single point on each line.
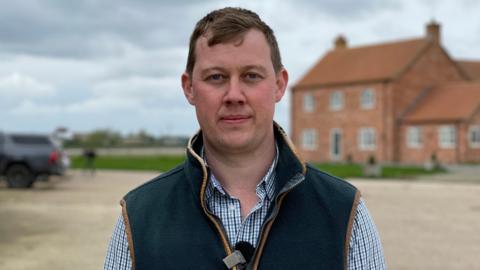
[252, 76]
[215, 77]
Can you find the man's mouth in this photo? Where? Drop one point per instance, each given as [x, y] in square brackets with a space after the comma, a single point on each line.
[235, 119]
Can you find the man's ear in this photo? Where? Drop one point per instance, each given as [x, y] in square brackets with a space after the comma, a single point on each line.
[188, 88]
[282, 82]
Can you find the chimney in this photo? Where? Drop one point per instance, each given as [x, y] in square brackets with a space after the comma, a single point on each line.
[433, 31]
[340, 42]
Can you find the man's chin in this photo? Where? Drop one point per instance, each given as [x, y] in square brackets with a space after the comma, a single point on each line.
[236, 143]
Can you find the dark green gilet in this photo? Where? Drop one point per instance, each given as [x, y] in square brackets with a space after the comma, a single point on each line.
[308, 226]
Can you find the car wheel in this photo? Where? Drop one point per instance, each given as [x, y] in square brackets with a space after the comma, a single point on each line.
[19, 176]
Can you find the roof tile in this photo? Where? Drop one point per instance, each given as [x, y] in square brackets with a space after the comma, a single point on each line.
[448, 102]
[472, 68]
[359, 64]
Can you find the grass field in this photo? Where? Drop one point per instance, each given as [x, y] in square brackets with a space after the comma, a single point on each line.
[167, 162]
[356, 170]
[136, 163]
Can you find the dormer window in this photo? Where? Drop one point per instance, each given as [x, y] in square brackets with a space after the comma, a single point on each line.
[336, 101]
[367, 99]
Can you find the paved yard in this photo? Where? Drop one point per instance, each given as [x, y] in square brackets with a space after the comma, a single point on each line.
[426, 225]
[66, 224]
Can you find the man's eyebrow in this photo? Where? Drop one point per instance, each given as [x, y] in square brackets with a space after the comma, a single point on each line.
[257, 67]
[206, 71]
[209, 70]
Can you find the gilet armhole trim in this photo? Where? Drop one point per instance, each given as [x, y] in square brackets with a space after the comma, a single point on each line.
[128, 231]
[348, 235]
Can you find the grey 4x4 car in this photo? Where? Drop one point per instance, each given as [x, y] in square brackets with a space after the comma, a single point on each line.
[26, 157]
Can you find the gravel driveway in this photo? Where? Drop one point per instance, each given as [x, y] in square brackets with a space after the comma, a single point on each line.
[67, 223]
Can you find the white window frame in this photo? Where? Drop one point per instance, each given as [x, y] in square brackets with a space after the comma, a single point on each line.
[367, 98]
[367, 139]
[471, 131]
[338, 156]
[414, 137]
[447, 136]
[309, 139]
[308, 102]
[336, 100]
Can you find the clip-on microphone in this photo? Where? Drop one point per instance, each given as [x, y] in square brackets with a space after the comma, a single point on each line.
[241, 256]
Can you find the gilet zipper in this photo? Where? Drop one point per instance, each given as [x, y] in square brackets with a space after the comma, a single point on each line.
[213, 219]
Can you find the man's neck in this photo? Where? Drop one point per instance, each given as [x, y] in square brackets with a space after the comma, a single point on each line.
[240, 172]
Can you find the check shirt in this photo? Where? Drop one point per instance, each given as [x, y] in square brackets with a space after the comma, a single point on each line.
[228, 210]
[365, 247]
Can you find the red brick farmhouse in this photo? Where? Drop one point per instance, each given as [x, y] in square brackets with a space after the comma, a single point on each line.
[405, 101]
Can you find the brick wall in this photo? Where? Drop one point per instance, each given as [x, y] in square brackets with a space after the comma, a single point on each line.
[463, 152]
[470, 154]
[431, 68]
[429, 146]
[348, 120]
[392, 99]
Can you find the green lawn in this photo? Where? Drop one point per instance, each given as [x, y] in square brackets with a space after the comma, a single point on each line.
[341, 170]
[141, 163]
[167, 162]
[399, 172]
[356, 170]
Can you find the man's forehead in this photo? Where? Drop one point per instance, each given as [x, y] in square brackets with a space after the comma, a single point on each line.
[235, 38]
[253, 42]
[204, 40]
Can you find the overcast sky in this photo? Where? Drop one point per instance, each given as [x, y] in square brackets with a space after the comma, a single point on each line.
[116, 64]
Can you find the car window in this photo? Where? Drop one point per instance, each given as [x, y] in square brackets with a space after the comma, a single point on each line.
[31, 139]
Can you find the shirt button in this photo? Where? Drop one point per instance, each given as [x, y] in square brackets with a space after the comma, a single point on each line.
[231, 208]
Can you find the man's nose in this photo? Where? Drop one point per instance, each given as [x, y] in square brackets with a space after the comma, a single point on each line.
[235, 93]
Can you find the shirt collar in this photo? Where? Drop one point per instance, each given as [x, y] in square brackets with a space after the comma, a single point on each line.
[266, 187]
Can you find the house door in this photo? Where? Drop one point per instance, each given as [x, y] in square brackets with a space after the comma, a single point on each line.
[336, 144]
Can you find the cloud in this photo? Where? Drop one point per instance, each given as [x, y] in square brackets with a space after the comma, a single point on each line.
[346, 9]
[89, 64]
[29, 107]
[92, 29]
[163, 62]
[119, 113]
[17, 85]
[101, 105]
[140, 88]
[127, 95]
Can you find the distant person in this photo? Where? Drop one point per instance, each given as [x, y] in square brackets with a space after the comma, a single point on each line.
[89, 156]
[242, 199]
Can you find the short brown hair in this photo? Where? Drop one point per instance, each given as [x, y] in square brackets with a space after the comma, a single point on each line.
[227, 24]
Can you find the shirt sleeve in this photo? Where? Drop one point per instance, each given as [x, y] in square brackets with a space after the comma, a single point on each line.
[118, 254]
[365, 247]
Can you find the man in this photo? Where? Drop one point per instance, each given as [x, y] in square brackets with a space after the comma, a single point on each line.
[242, 199]
[89, 156]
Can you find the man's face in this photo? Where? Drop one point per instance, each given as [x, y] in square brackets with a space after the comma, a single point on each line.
[234, 89]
